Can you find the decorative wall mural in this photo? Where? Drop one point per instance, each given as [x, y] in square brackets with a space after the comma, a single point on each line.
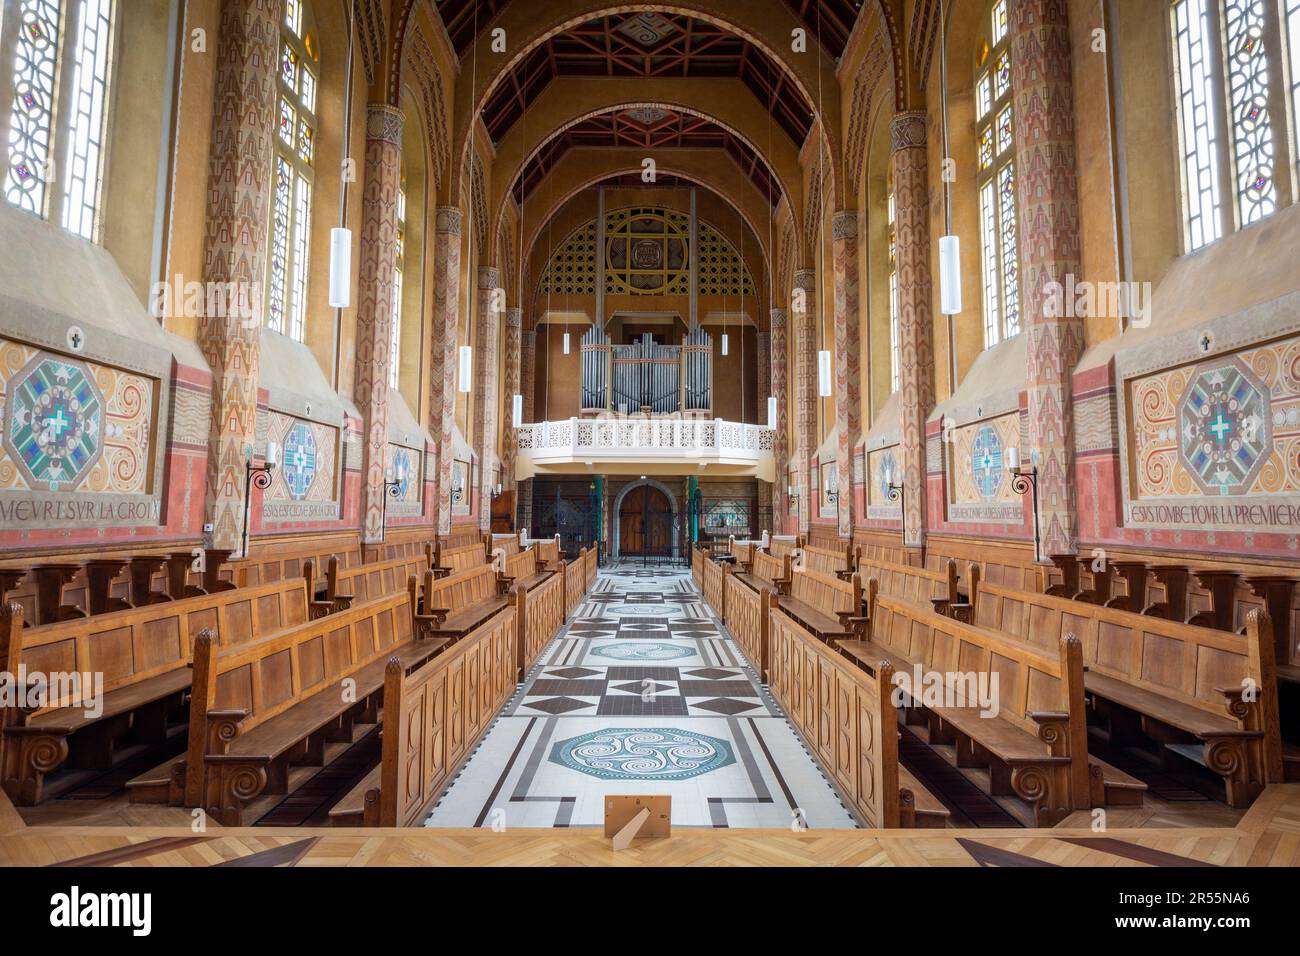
[405, 465]
[882, 462]
[651, 753]
[460, 487]
[1216, 444]
[305, 486]
[979, 486]
[74, 426]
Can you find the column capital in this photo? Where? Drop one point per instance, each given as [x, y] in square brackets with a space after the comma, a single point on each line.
[447, 220]
[779, 318]
[515, 318]
[907, 130]
[489, 277]
[844, 225]
[806, 279]
[384, 124]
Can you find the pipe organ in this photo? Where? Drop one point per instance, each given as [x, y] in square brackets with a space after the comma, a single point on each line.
[646, 375]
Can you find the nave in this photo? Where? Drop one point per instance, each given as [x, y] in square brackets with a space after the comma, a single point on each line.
[643, 692]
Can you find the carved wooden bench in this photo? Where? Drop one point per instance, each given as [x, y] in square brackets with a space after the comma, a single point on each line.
[343, 587]
[258, 709]
[825, 605]
[143, 655]
[1182, 685]
[845, 712]
[433, 715]
[1034, 743]
[453, 606]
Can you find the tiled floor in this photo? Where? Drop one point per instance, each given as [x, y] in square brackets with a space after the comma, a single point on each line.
[643, 693]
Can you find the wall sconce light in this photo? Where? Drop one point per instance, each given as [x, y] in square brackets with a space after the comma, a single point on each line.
[340, 268]
[1026, 481]
[465, 369]
[259, 476]
[771, 412]
[824, 378]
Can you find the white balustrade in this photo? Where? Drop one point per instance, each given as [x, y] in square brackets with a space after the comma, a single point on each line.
[645, 439]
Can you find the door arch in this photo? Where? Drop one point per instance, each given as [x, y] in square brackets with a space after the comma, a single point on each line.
[640, 490]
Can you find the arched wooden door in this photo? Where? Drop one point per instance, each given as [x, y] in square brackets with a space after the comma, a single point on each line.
[645, 523]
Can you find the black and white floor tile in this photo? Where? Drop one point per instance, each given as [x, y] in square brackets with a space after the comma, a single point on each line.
[644, 692]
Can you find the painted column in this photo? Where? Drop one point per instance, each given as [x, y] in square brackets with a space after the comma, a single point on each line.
[510, 385]
[527, 383]
[915, 317]
[234, 251]
[378, 261]
[764, 350]
[781, 445]
[805, 391]
[1048, 197]
[848, 360]
[446, 302]
[485, 390]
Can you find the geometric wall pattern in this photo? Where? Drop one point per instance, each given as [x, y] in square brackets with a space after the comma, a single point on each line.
[73, 425]
[304, 487]
[1226, 427]
[979, 485]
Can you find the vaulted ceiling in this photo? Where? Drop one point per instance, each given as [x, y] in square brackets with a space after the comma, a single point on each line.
[647, 45]
[832, 20]
[647, 127]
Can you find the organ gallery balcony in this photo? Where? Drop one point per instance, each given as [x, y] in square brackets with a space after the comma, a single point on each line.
[665, 446]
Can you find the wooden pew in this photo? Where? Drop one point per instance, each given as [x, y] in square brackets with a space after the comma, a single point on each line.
[260, 708]
[342, 587]
[433, 716]
[846, 714]
[1184, 685]
[1036, 745]
[1005, 562]
[462, 535]
[575, 581]
[143, 654]
[765, 571]
[841, 562]
[824, 605]
[539, 598]
[462, 558]
[282, 558]
[748, 614]
[509, 543]
[783, 545]
[933, 589]
[713, 575]
[453, 606]
[879, 545]
[825, 539]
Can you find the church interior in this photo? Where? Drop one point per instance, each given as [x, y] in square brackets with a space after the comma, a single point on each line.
[764, 432]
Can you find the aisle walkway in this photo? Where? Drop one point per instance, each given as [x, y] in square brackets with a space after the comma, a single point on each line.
[643, 693]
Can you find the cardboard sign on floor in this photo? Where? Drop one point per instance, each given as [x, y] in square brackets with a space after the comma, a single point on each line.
[630, 817]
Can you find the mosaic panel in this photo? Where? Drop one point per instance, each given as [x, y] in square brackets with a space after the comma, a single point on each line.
[79, 435]
[651, 753]
[979, 485]
[880, 462]
[405, 466]
[1217, 443]
[305, 486]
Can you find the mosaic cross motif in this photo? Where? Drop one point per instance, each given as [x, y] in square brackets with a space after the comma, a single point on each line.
[888, 468]
[1225, 423]
[641, 652]
[55, 425]
[300, 455]
[652, 753]
[986, 462]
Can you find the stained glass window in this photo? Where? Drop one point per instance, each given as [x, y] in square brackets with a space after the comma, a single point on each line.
[293, 187]
[995, 181]
[1235, 70]
[56, 150]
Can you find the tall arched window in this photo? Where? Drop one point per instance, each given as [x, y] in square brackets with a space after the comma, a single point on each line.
[996, 179]
[894, 343]
[1235, 66]
[58, 88]
[395, 333]
[295, 149]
